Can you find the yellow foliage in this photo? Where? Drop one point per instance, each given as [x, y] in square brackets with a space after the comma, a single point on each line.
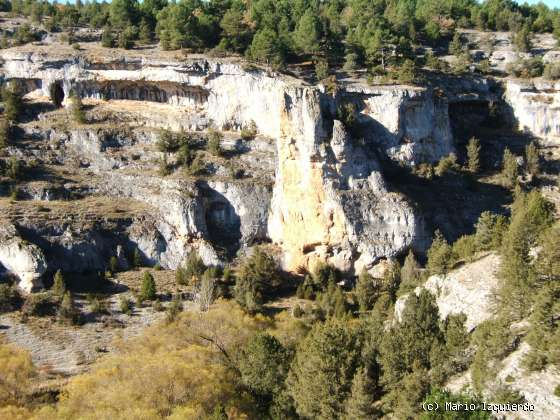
[16, 372]
[179, 370]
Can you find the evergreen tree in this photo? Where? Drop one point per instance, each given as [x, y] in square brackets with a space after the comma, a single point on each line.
[410, 274]
[307, 35]
[440, 256]
[67, 310]
[509, 168]
[263, 365]
[456, 46]
[123, 13]
[214, 142]
[137, 258]
[320, 378]
[113, 264]
[366, 291]
[522, 39]
[266, 48]
[145, 33]
[490, 229]
[13, 104]
[360, 404]
[473, 155]
[77, 108]
[257, 278]
[4, 134]
[148, 291]
[532, 159]
[59, 285]
[107, 39]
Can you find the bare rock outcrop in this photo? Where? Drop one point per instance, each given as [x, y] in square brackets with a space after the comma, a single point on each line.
[21, 258]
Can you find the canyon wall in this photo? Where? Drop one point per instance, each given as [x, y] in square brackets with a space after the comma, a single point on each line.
[327, 198]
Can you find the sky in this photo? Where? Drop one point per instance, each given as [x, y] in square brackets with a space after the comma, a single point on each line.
[549, 3]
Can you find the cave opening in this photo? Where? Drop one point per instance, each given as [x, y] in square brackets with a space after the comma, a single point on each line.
[224, 225]
[56, 93]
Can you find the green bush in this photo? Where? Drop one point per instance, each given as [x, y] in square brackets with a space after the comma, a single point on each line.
[447, 164]
[464, 248]
[257, 279]
[532, 67]
[192, 271]
[148, 291]
[125, 305]
[10, 298]
[552, 71]
[67, 311]
[249, 132]
[39, 304]
[59, 284]
[214, 142]
[13, 103]
[440, 255]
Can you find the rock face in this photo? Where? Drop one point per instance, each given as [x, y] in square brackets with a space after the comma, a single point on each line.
[536, 107]
[328, 200]
[467, 290]
[20, 258]
[318, 191]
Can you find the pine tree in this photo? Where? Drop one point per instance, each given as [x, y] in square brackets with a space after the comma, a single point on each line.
[214, 142]
[366, 291]
[137, 258]
[107, 39]
[4, 133]
[67, 310]
[439, 255]
[473, 155]
[360, 404]
[532, 159]
[145, 35]
[410, 274]
[321, 374]
[456, 46]
[113, 264]
[13, 104]
[77, 108]
[148, 291]
[59, 285]
[509, 168]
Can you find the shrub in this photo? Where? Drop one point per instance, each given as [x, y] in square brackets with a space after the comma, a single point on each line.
[148, 291]
[406, 74]
[192, 270]
[13, 168]
[552, 71]
[532, 159]
[158, 307]
[164, 168]
[125, 305]
[4, 134]
[297, 312]
[465, 247]
[249, 132]
[557, 391]
[473, 155]
[137, 258]
[107, 39]
[256, 280]
[13, 103]
[67, 311]
[39, 304]
[113, 264]
[10, 298]
[59, 285]
[167, 142]
[77, 108]
[440, 256]
[490, 229]
[509, 169]
[214, 142]
[447, 164]
[532, 67]
[322, 69]
[174, 308]
[410, 274]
